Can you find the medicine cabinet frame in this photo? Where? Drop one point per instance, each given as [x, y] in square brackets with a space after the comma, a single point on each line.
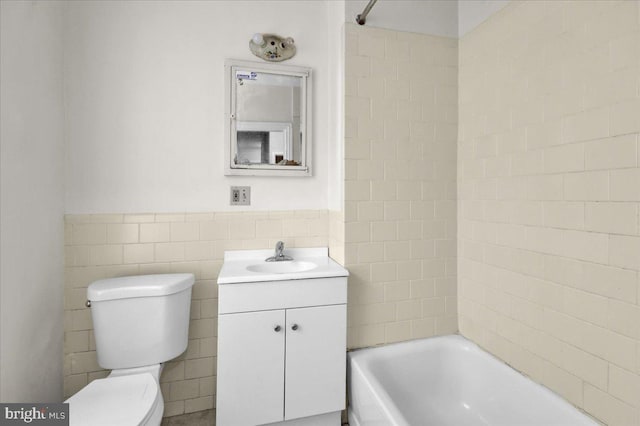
[232, 125]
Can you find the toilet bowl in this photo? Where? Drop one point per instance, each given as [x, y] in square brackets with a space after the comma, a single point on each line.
[122, 400]
[139, 323]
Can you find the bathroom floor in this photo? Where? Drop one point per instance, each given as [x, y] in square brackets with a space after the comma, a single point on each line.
[204, 418]
[199, 418]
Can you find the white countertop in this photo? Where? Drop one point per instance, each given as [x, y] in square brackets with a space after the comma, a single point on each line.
[234, 270]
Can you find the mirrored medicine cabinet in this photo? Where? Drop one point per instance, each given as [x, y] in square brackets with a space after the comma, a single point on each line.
[268, 119]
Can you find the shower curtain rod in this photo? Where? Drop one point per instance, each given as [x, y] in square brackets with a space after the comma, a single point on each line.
[362, 18]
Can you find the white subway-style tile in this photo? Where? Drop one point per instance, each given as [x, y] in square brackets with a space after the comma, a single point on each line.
[608, 408]
[589, 246]
[565, 292]
[564, 214]
[624, 251]
[590, 368]
[624, 385]
[586, 125]
[624, 117]
[624, 318]
[89, 233]
[586, 186]
[613, 218]
[611, 153]
[565, 158]
[138, 253]
[155, 232]
[122, 233]
[625, 184]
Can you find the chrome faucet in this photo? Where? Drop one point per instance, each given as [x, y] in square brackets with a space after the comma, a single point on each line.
[279, 256]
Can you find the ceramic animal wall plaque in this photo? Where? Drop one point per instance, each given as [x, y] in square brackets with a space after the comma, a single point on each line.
[272, 47]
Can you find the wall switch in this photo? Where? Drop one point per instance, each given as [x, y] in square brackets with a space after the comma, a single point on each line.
[240, 195]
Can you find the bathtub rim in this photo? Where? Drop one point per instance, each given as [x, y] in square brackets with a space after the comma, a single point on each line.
[375, 389]
[359, 356]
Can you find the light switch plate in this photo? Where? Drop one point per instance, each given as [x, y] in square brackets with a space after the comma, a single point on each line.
[240, 196]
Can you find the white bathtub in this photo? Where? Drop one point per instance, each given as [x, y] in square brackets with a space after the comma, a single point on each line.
[448, 381]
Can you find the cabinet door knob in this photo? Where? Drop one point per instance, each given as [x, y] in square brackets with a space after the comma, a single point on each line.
[294, 327]
[277, 328]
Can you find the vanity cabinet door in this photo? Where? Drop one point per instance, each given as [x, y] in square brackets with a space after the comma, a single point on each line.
[250, 368]
[315, 360]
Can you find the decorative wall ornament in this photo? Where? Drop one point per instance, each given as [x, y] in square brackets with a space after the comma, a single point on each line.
[272, 47]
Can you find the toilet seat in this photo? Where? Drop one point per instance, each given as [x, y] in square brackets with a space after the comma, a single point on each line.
[123, 400]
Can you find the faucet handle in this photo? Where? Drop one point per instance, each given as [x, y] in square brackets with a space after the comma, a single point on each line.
[279, 256]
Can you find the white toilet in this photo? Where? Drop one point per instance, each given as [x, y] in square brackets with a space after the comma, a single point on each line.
[139, 322]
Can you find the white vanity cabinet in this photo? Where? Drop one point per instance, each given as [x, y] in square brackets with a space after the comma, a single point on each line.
[282, 351]
[315, 360]
[250, 385]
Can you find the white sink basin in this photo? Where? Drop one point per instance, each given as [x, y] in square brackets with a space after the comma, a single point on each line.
[283, 267]
[249, 266]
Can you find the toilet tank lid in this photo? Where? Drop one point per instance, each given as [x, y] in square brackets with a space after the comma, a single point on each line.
[138, 286]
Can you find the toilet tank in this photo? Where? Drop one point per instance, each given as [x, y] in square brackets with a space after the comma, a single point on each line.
[140, 320]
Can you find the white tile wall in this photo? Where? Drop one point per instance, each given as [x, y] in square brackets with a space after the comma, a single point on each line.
[104, 246]
[549, 190]
[400, 194]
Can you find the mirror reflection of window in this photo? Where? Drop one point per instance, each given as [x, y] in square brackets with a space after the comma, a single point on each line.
[252, 147]
[260, 147]
[268, 98]
[264, 143]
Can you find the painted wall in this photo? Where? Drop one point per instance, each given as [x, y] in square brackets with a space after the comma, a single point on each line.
[435, 17]
[144, 95]
[472, 13]
[400, 191]
[31, 201]
[549, 198]
[335, 167]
